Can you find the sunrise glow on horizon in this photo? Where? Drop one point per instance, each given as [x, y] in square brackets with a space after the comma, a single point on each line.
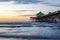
[23, 9]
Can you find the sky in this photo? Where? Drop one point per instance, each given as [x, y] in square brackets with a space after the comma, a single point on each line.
[23, 9]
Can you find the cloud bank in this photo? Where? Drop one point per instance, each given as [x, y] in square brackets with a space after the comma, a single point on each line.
[27, 7]
[46, 2]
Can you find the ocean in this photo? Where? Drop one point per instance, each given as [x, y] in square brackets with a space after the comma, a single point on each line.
[29, 30]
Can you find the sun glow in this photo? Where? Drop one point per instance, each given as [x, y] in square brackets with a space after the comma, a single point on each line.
[11, 10]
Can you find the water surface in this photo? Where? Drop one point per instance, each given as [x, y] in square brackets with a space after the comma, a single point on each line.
[29, 30]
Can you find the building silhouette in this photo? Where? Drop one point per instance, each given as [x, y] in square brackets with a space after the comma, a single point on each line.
[50, 17]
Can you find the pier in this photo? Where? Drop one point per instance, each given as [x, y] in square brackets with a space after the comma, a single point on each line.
[50, 17]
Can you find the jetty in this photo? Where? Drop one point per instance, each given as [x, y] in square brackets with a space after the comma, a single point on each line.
[50, 17]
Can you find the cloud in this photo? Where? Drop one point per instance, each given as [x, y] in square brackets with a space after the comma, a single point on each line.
[27, 7]
[46, 2]
[19, 1]
[52, 2]
[26, 15]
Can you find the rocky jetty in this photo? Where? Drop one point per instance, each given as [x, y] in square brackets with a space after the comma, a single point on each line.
[50, 17]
